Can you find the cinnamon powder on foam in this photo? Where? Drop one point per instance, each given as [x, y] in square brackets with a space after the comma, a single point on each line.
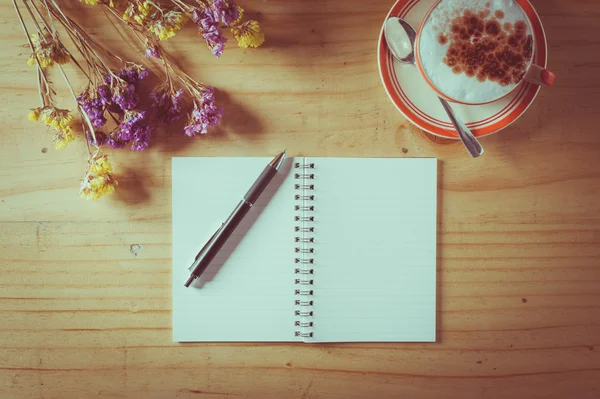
[474, 50]
[479, 45]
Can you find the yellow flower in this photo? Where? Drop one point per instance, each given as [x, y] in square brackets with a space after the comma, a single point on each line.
[90, 2]
[139, 13]
[241, 15]
[101, 165]
[248, 34]
[98, 180]
[43, 59]
[34, 114]
[144, 8]
[48, 50]
[55, 117]
[58, 119]
[168, 26]
[97, 186]
[128, 13]
[46, 62]
[63, 137]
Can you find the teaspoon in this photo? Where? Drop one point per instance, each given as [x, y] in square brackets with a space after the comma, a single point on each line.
[400, 37]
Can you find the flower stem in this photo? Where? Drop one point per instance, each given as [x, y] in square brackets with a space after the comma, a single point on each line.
[71, 24]
[30, 42]
[83, 113]
[40, 30]
[39, 85]
[118, 31]
[182, 6]
[50, 28]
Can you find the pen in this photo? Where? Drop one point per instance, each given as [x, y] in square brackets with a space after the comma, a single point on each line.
[214, 244]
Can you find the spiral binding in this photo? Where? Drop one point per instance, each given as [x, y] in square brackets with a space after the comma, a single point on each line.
[304, 186]
[305, 250]
[298, 165]
[304, 175]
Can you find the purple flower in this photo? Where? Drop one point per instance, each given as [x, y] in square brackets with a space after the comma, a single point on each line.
[204, 115]
[134, 129]
[167, 105]
[93, 106]
[152, 51]
[125, 96]
[196, 16]
[226, 11]
[118, 96]
[216, 41]
[205, 17]
[104, 94]
[114, 143]
[141, 137]
[96, 115]
[208, 26]
[124, 89]
[132, 74]
[115, 95]
[130, 121]
[101, 138]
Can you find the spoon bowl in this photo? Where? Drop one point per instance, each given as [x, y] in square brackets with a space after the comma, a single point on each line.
[400, 38]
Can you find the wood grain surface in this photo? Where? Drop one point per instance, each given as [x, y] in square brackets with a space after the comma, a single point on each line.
[85, 295]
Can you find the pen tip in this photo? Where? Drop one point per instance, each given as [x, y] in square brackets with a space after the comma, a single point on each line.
[190, 280]
[278, 160]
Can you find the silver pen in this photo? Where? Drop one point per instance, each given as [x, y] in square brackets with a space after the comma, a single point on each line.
[214, 244]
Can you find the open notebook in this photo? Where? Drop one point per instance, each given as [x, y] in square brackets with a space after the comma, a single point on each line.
[336, 249]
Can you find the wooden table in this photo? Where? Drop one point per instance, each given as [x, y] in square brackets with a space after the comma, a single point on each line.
[85, 295]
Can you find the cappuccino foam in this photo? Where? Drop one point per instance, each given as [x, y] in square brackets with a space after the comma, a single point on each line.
[476, 51]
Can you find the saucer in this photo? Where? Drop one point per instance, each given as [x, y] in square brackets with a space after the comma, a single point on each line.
[418, 102]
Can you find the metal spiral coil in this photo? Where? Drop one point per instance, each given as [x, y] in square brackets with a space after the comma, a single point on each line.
[301, 313]
[304, 207]
[310, 239]
[298, 165]
[304, 292]
[309, 260]
[304, 282]
[308, 229]
[305, 251]
[304, 186]
[304, 271]
[303, 324]
[304, 197]
[304, 175]
[304, 218]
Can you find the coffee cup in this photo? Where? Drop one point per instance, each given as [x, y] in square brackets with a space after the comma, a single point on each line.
[478, 51]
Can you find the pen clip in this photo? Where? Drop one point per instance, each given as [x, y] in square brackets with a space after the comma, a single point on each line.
[206, 245]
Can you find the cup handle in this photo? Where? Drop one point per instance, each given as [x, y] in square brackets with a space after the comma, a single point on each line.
[540, 76]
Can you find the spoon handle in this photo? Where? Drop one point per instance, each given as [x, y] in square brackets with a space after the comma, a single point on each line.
[470, 142]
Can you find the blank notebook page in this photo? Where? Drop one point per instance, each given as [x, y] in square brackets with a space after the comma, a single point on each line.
[249, 297]
[375, 249]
